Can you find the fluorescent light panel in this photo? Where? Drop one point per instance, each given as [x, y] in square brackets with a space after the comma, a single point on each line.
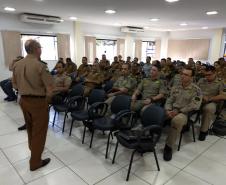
[73, 18]
[10, 9]
[154, 19]
[171, 1]
[212, 13]
[110, 11]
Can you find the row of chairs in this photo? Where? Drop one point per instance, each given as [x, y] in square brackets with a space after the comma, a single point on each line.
[92, 112]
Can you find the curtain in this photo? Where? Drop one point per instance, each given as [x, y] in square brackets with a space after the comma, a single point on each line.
[90, 48]
[11, 45]
[138, 48]
[121, 47]
[193, 48]
[63, 45]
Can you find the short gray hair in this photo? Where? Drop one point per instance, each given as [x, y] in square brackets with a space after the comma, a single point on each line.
[31, 45]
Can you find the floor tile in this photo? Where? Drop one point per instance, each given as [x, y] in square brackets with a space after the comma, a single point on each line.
[23, 168]
[7, 125]
[188, 152]
[146, 169]
[17, 152]
[119, 178]
[94, 168]
[186, 179]
[12, 139]
[59, 177]
[9, 176]
[217, 152]
[208, 170]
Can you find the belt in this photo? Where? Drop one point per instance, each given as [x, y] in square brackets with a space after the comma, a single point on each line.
[32, 96]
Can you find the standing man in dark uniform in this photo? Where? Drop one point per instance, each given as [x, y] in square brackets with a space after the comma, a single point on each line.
[34, 83]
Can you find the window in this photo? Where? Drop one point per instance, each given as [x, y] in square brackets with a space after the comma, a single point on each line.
[107, 47]
[48, 43]
[148, 49]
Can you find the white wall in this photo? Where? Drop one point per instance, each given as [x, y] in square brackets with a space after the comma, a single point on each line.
[12, 22]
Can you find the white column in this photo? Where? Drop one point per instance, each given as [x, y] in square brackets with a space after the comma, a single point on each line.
[164, 46]
[129, 43]
[215, 46]
[78, 43]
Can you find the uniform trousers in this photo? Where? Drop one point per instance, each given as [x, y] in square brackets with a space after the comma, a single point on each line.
[208, 111]
[177, 124]
[36, 115]
[7, 87]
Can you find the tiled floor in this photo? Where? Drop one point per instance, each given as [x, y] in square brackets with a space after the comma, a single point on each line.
[74, 163]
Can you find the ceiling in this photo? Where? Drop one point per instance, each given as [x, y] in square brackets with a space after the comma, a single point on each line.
[129, 12]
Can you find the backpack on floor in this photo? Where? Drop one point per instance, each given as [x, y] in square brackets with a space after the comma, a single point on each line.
[218, 127]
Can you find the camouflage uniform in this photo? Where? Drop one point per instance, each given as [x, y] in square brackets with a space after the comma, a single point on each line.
[83, 70]
[183, 100]
[122, 82]
[209, 89]
[148, 88]
[93, 80]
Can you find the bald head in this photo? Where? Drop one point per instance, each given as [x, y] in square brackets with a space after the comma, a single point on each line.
[31, 46]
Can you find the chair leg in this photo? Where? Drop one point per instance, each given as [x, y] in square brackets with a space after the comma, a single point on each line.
[181, 134]
[64, 121]
[130, 165]
[112, 136]
[84, 133]
[54, 119]
[116, 148]
[156, 160]
[106, 155]
[91, 141]
[193, 131]
[71, 127]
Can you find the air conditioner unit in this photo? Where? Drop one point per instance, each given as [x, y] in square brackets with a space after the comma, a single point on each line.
[131, 29]
[40, 19]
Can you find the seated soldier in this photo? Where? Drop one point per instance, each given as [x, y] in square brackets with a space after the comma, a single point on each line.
[152, 90]
[93, 80]
[183, 99]
[123, 85]
[211, 88]
[70, 67]
[6, 84]
[62, 83]
[83, 70]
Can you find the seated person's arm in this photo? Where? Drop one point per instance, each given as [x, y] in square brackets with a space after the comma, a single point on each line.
[135, 94]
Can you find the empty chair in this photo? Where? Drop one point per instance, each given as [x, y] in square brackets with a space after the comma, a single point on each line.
[86, 116]
[143, 140]
[121, 118]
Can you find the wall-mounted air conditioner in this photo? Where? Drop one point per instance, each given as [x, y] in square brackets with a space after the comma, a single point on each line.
[40, 19]
[131, 29]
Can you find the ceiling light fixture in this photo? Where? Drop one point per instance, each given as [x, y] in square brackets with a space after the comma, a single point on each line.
[110, 11]
[204, 27]
[10, 9]
[117, 24]
[146, 28]
[171, 1]
[73, 18]
[154, 19]
[183, 24]
[212, 13]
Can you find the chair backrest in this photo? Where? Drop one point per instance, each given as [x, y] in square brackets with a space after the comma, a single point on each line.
[77, 90]
[97, 95]
[108, 85]
[120, 102]
[153, 115]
